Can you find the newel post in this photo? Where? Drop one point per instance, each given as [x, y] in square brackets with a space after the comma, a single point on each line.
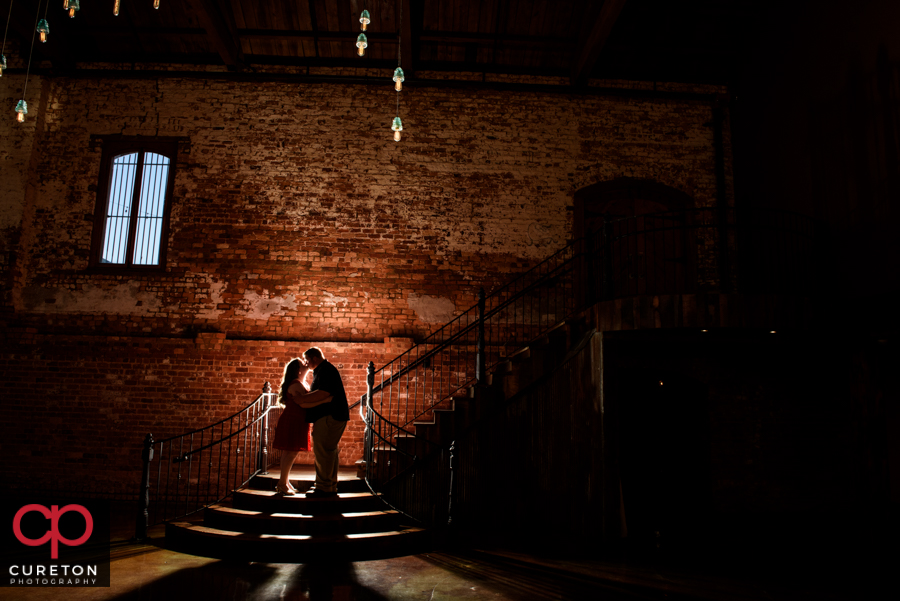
[143, 514]
[450, 506]
[479, 357]
[370, 384]
[262, 457]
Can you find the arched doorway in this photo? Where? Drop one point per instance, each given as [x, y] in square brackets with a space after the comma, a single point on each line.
[642, 231]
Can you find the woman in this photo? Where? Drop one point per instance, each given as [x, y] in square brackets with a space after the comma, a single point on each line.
[292, 431]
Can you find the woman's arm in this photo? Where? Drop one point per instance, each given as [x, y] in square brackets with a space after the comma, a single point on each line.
[307, 399]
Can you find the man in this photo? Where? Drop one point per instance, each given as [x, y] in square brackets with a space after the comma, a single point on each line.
[329, 421]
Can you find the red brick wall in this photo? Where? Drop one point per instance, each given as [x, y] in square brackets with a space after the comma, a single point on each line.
[76, 409]
[295, 216]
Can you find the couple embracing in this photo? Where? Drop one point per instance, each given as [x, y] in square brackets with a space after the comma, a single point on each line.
[322, 403]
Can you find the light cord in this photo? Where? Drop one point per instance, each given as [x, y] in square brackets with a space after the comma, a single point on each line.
[30, 52]
[8, 19]
[399, 47]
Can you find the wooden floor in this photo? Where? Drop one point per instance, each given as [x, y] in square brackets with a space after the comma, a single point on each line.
[148, 571]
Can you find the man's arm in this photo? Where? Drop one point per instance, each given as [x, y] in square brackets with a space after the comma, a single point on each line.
[314, 398]
[307, 399]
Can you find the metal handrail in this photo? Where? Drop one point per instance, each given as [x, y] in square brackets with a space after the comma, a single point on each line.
[423, 359]
[192, 488]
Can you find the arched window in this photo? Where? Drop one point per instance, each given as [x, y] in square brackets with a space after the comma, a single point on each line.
[624, 197]
[134, 200]
[645, 234]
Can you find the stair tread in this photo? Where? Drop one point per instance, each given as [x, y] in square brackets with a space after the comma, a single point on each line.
[208, 531]
[302, 496]
[281, 515]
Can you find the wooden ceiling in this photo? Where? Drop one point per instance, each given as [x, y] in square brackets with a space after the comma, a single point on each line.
[699, 41]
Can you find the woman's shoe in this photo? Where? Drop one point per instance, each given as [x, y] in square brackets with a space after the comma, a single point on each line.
[284, 491]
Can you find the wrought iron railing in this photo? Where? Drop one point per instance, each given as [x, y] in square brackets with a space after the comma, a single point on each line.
[426, 377]
[676, 252]
[186, 473]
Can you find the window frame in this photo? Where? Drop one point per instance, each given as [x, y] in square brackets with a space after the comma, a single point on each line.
[112, 149]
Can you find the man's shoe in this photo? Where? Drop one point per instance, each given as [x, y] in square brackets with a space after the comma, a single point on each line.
[321, 494]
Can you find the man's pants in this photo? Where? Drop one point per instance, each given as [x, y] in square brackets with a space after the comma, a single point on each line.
[326, 435]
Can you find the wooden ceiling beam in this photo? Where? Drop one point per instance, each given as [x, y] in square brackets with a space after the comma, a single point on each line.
[222, 32]
[482, 39]
[590, 52]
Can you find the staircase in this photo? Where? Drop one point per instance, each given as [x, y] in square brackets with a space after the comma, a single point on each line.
[413, 467]
[441, 425]
[260, 526]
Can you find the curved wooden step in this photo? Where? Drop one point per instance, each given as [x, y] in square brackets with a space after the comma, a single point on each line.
[268, 481]
[344, 502]
[226, 517]
[198, 539]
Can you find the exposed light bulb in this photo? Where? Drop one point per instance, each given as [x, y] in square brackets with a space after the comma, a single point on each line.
[156, 4]
[20, 117]
[65, 4]
[396, 136]
[116, 8]
[398, 79]
[364, 20]
[361, 43]
[43, 28]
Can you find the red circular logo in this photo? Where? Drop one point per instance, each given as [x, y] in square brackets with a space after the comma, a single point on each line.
[53, 534]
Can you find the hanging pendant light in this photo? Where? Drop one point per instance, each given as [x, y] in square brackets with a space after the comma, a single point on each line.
[21, 111]
[43, 28]
[73, 6]
[361, 43]
[116, 7]
[364, 19]
[399, 78]
[2, 64]
[156, 4]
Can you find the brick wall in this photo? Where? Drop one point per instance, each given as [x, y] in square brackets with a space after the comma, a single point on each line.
[75, 409]
[296, 216]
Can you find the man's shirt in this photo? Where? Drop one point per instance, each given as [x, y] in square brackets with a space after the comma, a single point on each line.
[326, 377]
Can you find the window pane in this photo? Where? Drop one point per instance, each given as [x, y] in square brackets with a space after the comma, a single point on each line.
[118, 208]
[150, 209]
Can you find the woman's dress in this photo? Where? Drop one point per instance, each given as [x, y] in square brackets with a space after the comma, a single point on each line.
[292, 431]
